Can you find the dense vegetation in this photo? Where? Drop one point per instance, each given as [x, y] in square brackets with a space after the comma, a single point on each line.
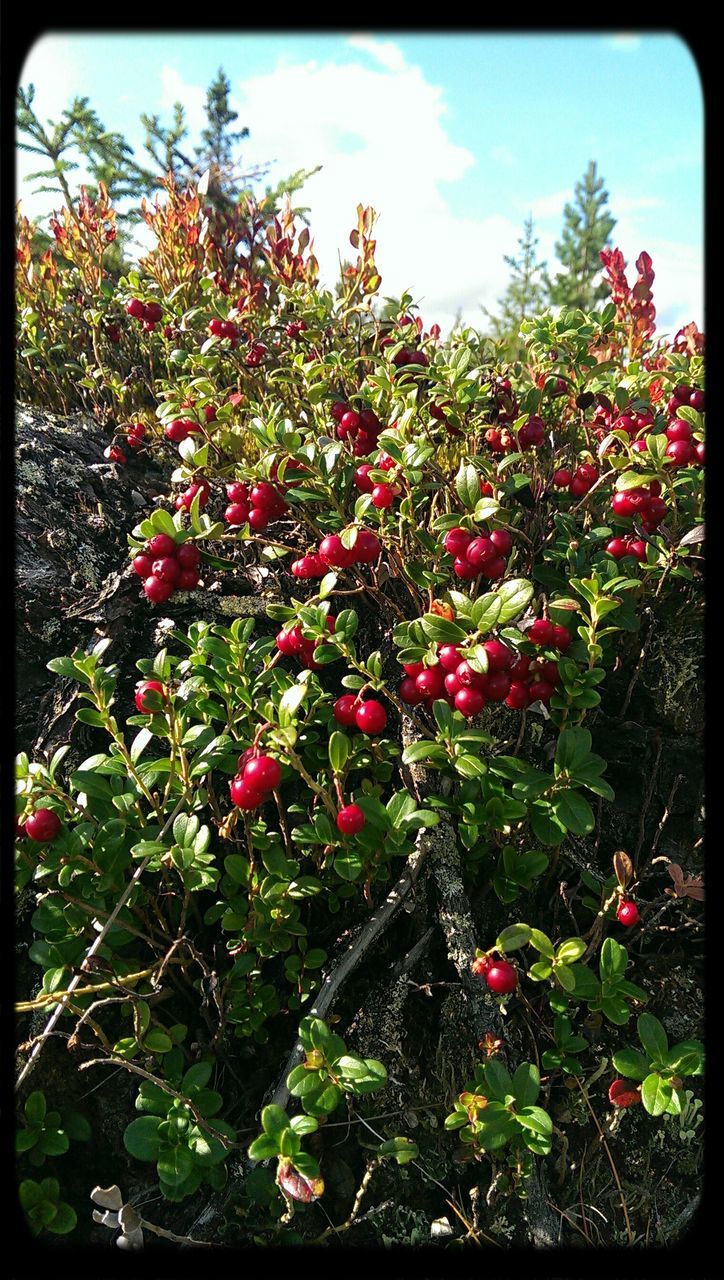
[445, 559]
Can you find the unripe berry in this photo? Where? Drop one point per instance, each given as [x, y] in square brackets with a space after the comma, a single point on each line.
[501, 977]
[371, 717]
[350, 820]
[42, 826]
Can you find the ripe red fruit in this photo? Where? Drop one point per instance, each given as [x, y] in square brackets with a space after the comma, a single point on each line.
[519, 669]
[562, 638]
[579, 487]
[350, 820]
[502, 541]
[518, 696]
[627, 912]
[501, 977]
[431, 682]
[500, 657]
[288, 642]
[157, 590]
[700, 453]
[237, 492]
[114, 453]
[456, 541]
[409, 692]
[142, 565]
[449, 657]
[452, 684]
[135, 308]
[622, 1093]
[682, 453]
[562, 478]
[262, 773]
[588, 472]
[333, 553]
[541, 632]
[697, 400]
[413, 668]
[679, 430]
[188, 579]
[345, 709]
[258, 520]
[470, 678]
[350, 421]
[623, 503]
[469, 702]
[463, 569]
[145, 687]
[371, 717]
[188, 556]
[383, 496]
[42, 826]
[244, 796]
[618, 548]
[367, 547]
[493, 568]
[497, 686]
[637, 548]
[152, 312]
[542, 691]
[177, 430]
[480, 551]
[167, 568]
[361, 478]
[339, 408]
[265, 496]
[161, 545]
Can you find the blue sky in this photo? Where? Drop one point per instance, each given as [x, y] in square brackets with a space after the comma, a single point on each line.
[452, 138]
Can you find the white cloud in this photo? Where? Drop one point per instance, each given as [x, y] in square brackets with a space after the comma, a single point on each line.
[192, 97]
[503, 155]
[386, 52]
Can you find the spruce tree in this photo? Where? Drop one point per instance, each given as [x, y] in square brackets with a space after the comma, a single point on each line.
[587, 229]
[218, 144]
[524, 296]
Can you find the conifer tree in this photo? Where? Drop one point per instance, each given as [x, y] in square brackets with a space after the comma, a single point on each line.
[524, 296]
[587, 229]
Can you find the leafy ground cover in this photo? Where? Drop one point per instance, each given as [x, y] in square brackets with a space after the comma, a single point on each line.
[362, 904]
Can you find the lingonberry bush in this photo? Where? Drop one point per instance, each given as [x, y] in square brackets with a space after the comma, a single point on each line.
[452, 555]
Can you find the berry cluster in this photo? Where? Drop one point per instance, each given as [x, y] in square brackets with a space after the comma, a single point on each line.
[257, 775]
[180, 429]
[292, 644]
[294, 328]
[255, 354]
[114, 453]
[149, 313]
[682, 449]
[332, 554]
[408, 354]
[531, 433]
[620, 547]
[135, 434]
[167, 566]
[361, 428]
[644, 501]
[577, 482]
[475, 553]
[383, 493]
[257, 507]
[369, 717]
[185, 499]
[225, 329]
[517, 680]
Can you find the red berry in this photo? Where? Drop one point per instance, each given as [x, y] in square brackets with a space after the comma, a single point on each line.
[188, 556]
[383, 496]
[562, 638]
[519, 669]
[449, 657]
[142, 566]
[579, 487]
[541, 632]
[350, 422]
[152, 312]
[350, 820]
[463, 569]
[501, 977]
[345, 709]
[541, 691]
[700, 453]
[409, 692]
[697, 399]
[470, 678]
[42, 826]
[367, 547]
[480, 551]
[500, 657]
[161, 545]
[339, 408]
[188, 579]
[289, 642]
[456, 541]
[681, 452]
[237, 492]
[562, 478]
[618, 548]
[167, 568]
[493, 568]
[502, 541]
[145, 687]
[431, 682]
[452, 684]
[497, 686]
[413, 668]
[333, 553]
[517, 696]
[627, 913]
[469, 702]
[361, 478]
[263, 773]
[637, 548]
[158, 592]
[244, 796]
[371, 717]
[135, 308]
[679, 430]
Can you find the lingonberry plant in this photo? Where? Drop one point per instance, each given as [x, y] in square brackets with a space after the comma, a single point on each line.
[449, 559]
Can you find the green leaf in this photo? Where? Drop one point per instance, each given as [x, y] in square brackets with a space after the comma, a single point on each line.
[498, 1079]
[514, 596]
[339, 749]
[467, 484]
[570, 950]
[141, 1138]
[174, 1164]
[526, 1084]
[613, 961]
[574, 812]
[542, 943]
[263, 1148]
[653, 1038]
[572, 749]
[537, 1119]
[514, 937]
[486, 611]
[631, 1064]
[35, 1108]
[441, 630]
[274, 1120]
[656, 1092]
[403, 1150]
